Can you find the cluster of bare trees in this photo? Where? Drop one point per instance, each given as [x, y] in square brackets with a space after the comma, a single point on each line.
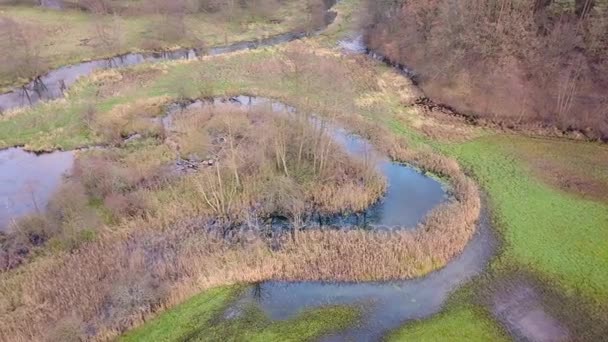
[540, 63]
[20, 55]
[172, 26]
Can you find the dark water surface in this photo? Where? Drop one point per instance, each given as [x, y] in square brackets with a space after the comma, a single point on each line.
[27, 181]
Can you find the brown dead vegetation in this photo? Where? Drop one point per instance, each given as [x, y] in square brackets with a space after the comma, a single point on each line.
[290, 157]
[515, 64]
[118, 281]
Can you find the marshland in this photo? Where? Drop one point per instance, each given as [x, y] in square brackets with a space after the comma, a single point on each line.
[302, 170]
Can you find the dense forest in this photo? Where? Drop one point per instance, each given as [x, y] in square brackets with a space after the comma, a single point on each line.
[532, 64]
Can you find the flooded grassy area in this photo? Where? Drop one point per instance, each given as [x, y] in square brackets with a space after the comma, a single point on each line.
[536, 219]
[200, 319]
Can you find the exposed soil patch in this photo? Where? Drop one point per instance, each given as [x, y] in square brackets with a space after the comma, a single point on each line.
[519, 308]
[574, 167]
[569, 180]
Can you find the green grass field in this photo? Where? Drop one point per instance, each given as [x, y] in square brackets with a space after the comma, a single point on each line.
[536, 219]
[458, 323]
[200, 319]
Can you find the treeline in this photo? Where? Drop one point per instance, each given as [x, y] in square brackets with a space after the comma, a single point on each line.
[533, 64]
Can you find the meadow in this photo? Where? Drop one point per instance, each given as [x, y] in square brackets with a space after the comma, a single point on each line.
[545, 194]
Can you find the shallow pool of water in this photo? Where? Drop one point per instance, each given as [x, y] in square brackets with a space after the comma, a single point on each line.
[27, 181]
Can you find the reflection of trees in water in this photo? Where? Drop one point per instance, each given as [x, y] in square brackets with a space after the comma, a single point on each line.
[257, 292]
[39, 86]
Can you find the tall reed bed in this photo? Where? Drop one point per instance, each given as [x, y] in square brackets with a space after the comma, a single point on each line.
[204, 229]
[117, 282]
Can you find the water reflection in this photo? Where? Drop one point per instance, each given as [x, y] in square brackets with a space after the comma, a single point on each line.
[410, 196]
[27, 181]
[385, 306]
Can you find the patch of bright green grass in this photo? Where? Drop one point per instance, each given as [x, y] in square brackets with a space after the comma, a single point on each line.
[47, 127]
[179, 322]
[460, 323]
[255, 326]
[199, 319]
[557, 234]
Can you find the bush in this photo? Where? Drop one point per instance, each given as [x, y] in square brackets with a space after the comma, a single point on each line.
[129, 205]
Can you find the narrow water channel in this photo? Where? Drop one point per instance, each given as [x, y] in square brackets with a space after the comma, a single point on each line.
[55, 83]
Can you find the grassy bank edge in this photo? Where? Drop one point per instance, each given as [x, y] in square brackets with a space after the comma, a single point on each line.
[201, 319]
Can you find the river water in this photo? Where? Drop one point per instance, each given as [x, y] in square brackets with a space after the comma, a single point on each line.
[410, 197]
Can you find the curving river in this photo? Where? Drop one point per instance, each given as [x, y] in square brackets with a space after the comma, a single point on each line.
[387, 305]
[411, 195]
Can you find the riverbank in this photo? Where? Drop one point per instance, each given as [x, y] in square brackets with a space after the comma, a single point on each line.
[65, 37]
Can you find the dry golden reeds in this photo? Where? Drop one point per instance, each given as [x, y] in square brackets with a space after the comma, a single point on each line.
[168, 266]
